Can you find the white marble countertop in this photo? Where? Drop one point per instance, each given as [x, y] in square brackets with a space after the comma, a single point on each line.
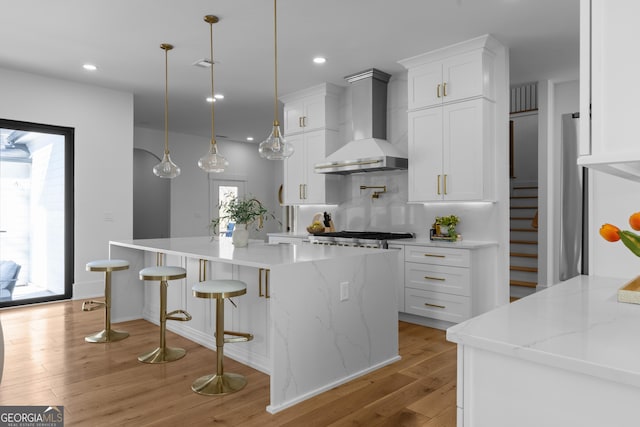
[577, 325]
[462, 244]
[258, 254]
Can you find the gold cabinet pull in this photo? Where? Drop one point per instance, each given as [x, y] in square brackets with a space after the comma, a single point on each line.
[300, 191]
[260, 294]
[159, 259]
[300, 122]
[438, 91]
[445, 184]
[444, 89]
[438, 184]
[435, 255]
[435, 278]
[266, 285]
[434, 305]
[266, 293]
[202, 270]
[304, 121]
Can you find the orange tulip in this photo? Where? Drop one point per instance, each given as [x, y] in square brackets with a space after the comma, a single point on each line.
[634, 221]
[610, 232]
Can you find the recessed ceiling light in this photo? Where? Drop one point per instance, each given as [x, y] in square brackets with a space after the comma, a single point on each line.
[249, 138]
[89, 67]
[319, 60]
[215, 97]
[204, 63]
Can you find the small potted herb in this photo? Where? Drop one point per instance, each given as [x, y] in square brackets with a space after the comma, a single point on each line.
[447, 224]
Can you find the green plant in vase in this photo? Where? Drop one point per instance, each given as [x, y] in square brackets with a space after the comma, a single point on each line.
[244, 213]
[448, 225]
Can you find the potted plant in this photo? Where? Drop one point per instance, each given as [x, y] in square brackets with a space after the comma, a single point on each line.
[447, 224]
[243, 213]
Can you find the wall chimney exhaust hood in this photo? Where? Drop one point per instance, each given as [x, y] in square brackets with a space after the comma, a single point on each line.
[369, 151]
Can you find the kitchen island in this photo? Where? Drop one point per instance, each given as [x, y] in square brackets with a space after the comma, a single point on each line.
[320, 315]
[566, 356]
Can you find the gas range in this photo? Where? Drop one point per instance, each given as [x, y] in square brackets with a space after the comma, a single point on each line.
[361, 239]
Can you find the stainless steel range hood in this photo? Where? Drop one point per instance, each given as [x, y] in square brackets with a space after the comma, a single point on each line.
[369, 151]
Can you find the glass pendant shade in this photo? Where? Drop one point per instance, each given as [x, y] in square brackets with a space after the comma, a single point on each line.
[166, 168]
[275, 147]
[212, 161]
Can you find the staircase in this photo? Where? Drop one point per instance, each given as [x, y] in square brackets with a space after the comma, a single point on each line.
[523, 241]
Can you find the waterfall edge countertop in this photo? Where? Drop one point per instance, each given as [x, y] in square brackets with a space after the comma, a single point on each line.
[320, 315]
[258, 254]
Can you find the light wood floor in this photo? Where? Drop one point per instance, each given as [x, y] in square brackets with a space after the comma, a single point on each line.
[47, 362]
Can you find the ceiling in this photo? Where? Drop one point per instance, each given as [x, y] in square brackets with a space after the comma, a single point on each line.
[122, 38]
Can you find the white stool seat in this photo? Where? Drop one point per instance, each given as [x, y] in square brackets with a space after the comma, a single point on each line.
[107, 265]
[219, 288]
[163, 273]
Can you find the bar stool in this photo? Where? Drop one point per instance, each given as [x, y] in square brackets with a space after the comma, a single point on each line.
[221, 382]
[163, 274]
[107, 334]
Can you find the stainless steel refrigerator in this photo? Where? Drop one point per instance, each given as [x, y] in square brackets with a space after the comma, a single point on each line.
[573, 208]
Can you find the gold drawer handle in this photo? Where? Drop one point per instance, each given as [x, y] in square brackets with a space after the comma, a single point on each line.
[435, 278]
[435, 255]
[434, 305]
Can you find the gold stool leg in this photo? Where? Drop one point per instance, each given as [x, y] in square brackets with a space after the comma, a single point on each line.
[107, 334]
[163, 353]
[219, 383]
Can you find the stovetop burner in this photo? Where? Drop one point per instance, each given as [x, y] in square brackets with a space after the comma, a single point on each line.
[368, 239]
[369, 235]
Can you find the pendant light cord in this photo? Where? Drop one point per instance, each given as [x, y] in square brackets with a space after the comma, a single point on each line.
[213, 135]
[275, 63]
[166, 48]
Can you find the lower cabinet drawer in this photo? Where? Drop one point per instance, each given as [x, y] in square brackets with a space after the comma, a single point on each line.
[437, 305]
[438, 278]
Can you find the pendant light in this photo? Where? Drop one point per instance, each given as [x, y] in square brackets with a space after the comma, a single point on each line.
[166, 168]
[212, 161]
[275, 147]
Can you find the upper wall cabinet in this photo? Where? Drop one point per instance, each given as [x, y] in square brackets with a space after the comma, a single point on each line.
[438, 77]
[311, 123]
[609, 68]
[311, 109]
[451, 129]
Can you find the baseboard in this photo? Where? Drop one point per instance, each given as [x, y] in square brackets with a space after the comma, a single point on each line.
[425, 321]
[86, 290]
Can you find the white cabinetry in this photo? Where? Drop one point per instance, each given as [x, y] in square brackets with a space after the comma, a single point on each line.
[448, 156]
[445, 284]
[456, 78]
[438, 283]
[311, 122]
[451, 123]
[608, 64]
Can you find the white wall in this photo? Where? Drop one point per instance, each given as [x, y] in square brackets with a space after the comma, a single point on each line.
[190, 202]
[103, 123]
[612, 201]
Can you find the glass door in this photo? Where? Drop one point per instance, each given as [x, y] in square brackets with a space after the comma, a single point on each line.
[221, 191]
[36, 213]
